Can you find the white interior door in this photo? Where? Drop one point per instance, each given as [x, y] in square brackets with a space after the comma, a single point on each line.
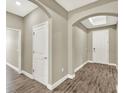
[40, 52]
[101, 46]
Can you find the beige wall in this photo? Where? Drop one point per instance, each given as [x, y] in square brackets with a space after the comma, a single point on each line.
[76, 16]
[11, 47]
[25, 24]
[113, 43]
[15, 22]
[113, 50]
[59, 42]
[35, 17]
[89, 41]
[79, 47]
[61, 28]
[59, 46]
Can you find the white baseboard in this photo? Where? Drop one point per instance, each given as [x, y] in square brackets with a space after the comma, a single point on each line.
[90, 61]
[27, 74]
[79, 67]
[12, 66]
[103, 63]
[71, 76]
[112, 64]
[51, 87]
[109, 64]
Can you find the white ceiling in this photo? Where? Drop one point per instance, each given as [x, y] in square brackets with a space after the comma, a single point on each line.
[106, 21]
[22, 10]
[70, 5]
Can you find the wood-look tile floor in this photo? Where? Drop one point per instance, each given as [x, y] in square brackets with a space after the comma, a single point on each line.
[92, 78]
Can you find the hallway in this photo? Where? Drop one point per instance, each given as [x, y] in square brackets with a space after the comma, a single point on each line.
[92, 78]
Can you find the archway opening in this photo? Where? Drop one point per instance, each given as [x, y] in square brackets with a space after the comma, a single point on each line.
[83, 46]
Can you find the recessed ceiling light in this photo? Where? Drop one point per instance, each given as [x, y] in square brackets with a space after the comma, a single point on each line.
[98, 20]
[18, 3]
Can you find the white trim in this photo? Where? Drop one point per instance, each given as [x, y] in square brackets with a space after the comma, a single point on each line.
[18, 30]
[12, 66]
[40, 24]
[79, 67]
[50, 50]
[106, 63]
[19, 47]
[71, 76]
[19, 50]
[49, 46]
[51, 87]
[90, 61]
[112, 64]
[27, 74]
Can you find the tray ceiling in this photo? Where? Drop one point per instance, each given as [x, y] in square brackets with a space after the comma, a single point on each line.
[99, 21]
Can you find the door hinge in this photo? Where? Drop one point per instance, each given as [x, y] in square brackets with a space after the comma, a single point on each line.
[94, 49]
[33, 51]
[33, 70]
[33, 33]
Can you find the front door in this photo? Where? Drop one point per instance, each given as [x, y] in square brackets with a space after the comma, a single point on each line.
[101, 46]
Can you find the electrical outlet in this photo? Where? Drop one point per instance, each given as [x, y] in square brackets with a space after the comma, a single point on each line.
[62, 69]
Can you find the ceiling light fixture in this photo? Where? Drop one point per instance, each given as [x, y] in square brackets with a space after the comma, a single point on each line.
[98, 20]
[18, 3]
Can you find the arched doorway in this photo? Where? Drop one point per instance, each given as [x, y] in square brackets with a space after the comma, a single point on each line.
[78, 17]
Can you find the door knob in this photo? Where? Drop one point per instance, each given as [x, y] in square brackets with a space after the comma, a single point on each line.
[45, 57]
[33, 52]
[94, 49]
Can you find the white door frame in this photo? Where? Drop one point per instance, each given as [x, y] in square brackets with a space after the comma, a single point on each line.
[49, 48]
[107, 46]
[19, 50]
